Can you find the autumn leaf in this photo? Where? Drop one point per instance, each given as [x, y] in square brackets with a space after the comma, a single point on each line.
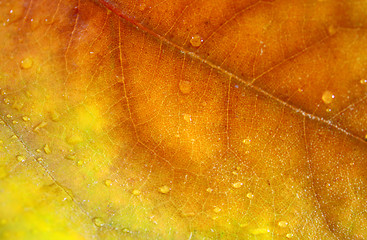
[183, 119]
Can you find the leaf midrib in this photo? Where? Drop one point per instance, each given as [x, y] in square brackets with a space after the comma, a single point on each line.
[114, 9]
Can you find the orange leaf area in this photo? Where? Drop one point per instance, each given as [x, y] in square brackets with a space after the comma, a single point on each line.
[183, 119]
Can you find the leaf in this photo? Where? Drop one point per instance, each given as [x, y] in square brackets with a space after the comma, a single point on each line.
[183, 119]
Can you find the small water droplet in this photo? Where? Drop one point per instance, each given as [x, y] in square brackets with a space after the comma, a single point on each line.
[74, 139]
[327, 97]
[47, 149]
[108, 182]
[235, 173]
[142, 6]
[250, 195]
[71, 156]
[26, 118]
[136, 192]
[217, 209]
[246, 141]
[289, 235]
[196, 41]
[39, 159]
[185, 86]
[21, 158]
[187, 117]
[6, 100]
[98, 221]
[282, 224]
[126, 230]
[17, 105]
[237, 185]
[209, 190]
[9, 116]
[39, 126]
[363, 81]
[15, 122]
[26, 63]
[164, 189]
[80, 163]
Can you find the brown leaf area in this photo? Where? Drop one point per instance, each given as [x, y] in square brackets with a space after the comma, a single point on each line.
[184, 119]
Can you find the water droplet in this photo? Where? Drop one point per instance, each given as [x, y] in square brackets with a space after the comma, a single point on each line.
[185, 86]
[80, 163]
[126, 230]
[258, 231]
[327, 97]
[39, 126]
[246, 141]
[164, 189]
[235, 173]
[70, 156]
[217, 209]
[250, 195]
[209, 190]
[289, 235]
[237, 184]
[74, 139]
[17, 105]
[282, 224]
[187, 117]
[142, 6]
[108, 182]
[196, 41]
[26, 63]
[40, 159]
[47, 149]
[9, 116]
[363, 81]
[332, 30]
[6, 100]
[136, 192]
[55, 116]
[98, 221]
[365, 137]
[21, 158]
[26, 118]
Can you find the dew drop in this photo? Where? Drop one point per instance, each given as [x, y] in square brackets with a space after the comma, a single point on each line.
[26, 118]
[74, 139]
[363, 81]
[217, 209]
[328, 110]
[39, 126]
[9, 116]
[327, 97]
[6, 100]
[187, 117]
[80, 163]
[289, 235]
[237, 185]
[126, 230]
[209, 190]
[17, 105]
[21, 158]
[136, 192]
[196, 41]
[70, 156]
[164, 189]
[39, 159]
[98, 221]
[142, 6]
[246, 141]
[108, 182]
[26, 63]
[282, 224]
[47, 149]
[185, 86]
[235, 173]
[250, 195]
[55, 116]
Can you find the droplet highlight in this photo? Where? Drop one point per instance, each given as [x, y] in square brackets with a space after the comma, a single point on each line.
[196, 41]
[187, 117]
[98, 221]
[47, 149]
[250, 195]
[217, 210]
[164, 189]
[327, 97]
[26, 63]
[136, 192]
[185, 86]
[108, 182]
[282, 224]
[21, 158]
[246, 141]
[237, 185]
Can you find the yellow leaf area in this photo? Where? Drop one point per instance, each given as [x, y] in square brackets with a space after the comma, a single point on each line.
[183, 119]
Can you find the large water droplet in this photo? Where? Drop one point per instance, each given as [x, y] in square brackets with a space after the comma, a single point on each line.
[164, 189]
[327, 97]
[196, 41]
[185, 86]
[26, 63]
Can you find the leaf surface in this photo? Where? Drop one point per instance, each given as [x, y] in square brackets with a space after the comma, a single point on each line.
[183, 119]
